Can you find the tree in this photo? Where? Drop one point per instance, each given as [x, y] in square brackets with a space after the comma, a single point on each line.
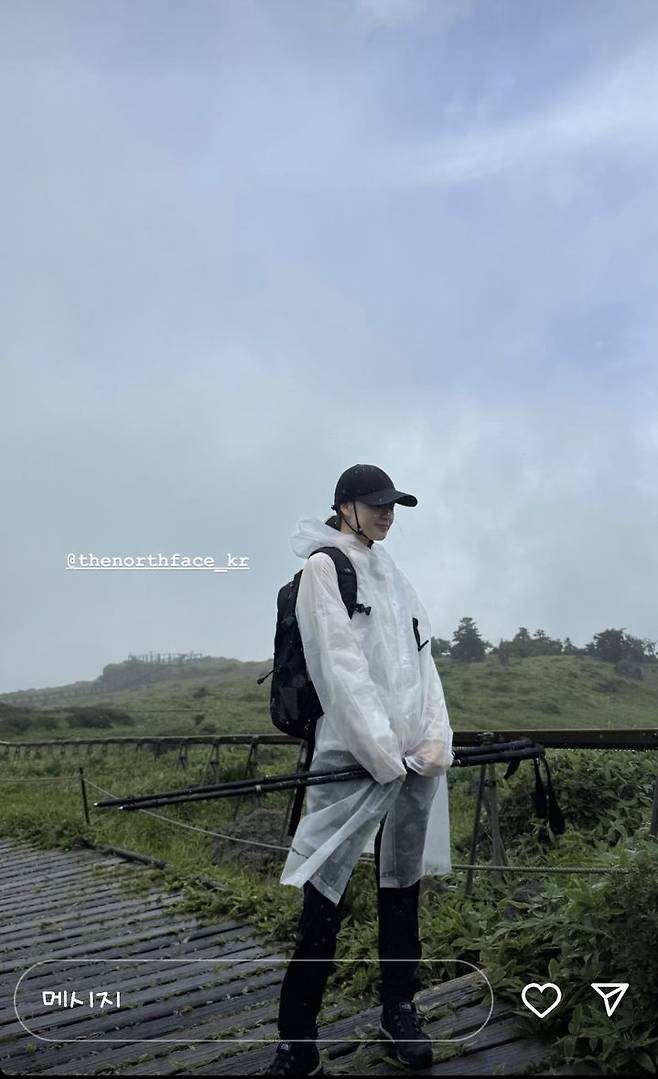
[608, 645]
[522, 643]
[468, 646]
[634, 649]
[615, 645]
[543, 645]
[503, 652]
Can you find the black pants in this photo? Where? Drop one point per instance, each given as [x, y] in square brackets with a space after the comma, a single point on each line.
[304, 983]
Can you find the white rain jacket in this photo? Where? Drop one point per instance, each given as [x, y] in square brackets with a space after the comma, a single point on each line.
[382, 700]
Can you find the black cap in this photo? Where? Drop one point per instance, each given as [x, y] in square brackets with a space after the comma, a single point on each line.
[369, 484]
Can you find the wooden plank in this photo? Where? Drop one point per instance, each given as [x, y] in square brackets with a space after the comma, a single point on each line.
[113, 904]
[348, 1032]
[150, 949]
[160, 1000]
[453, 1037]
[232, 982]
[112, 899]
[29, 887]
[456, 993]
[90, 944]
[68, 926]
[20, 848]
[23, 947]
[174, 1005]
[235, 1012]
[60, 875]
[93, 949]
[157, 1024]
[139, 948]
[186, 1058]
[42, 897]
[98, 871]
[260, 1025]
[130, 977]
[142, 974]
[511, 1058]
[46, 861]
[19, 868]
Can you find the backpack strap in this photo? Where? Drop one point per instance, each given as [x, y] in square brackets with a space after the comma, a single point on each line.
[346, 578]
[347, 585]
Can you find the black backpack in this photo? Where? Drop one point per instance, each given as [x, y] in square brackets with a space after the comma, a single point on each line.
[294, 704]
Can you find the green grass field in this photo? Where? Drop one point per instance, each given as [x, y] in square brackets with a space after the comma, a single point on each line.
[532, 927]
[223, 697]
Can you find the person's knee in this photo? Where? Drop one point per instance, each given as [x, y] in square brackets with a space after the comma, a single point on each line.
[320, 915]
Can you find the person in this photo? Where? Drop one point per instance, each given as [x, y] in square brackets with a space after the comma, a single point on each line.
[383, 709]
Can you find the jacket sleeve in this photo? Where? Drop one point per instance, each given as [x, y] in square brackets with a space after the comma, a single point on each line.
[338, 668]
[432, 754]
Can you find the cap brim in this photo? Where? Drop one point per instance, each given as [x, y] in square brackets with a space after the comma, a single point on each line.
[381, 498]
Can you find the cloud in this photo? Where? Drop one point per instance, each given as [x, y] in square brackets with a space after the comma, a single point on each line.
[392, 13]
[395, 14]
[613, 112]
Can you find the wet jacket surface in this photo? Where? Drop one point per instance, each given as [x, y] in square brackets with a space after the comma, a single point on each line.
[383, 701]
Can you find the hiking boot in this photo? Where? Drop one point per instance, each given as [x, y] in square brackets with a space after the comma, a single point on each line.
[296, 1058]
[401, 1026]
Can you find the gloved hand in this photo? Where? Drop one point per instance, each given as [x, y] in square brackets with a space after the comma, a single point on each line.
[430, 758]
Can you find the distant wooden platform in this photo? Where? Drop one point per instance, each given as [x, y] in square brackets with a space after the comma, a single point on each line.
[177, 1016]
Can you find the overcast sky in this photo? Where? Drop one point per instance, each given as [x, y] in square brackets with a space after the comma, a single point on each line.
[249, 243]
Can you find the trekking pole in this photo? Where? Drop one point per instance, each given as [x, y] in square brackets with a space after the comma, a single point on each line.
[489, 756]
[485, 755]
[495, 747]
[238, 786]
[249, 786]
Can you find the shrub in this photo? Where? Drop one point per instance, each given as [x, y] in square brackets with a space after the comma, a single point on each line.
[17, 724]
[48, 723]
[590, 932]
[629, 669]
[98, 718]
[96, 722]
[604, 795]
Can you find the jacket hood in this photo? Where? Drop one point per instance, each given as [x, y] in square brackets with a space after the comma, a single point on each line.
[312, 532]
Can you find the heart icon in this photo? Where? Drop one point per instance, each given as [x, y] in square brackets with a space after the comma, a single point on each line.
[541, 988]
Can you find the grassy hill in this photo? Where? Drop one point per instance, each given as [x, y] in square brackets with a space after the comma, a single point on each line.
[221, 696]
[572, 929]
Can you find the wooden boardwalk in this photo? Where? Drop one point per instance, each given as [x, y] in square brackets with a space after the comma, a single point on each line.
[175, 1016]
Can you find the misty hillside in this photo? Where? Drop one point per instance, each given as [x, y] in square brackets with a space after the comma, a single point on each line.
[221, 696]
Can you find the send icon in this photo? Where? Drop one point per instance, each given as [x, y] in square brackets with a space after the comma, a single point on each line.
[611, 993]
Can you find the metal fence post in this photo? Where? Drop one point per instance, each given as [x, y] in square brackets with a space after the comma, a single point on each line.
[468, 885]
[497, 848]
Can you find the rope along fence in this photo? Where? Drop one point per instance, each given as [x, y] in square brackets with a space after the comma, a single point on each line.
[643, 739]
[367, 857]
[278, 847]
